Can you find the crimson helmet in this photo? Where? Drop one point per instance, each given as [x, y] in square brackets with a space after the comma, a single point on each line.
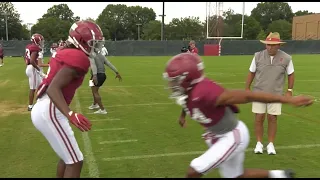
[87, 36]
[38, 39]
[182, 72]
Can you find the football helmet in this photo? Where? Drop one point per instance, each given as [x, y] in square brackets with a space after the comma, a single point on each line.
[38, 39]
[182, 72]
[87, 36]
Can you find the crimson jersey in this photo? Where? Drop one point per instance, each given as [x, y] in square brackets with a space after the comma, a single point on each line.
[30, 48]
[201, 101]
[67, 57]
[194, 50]
[1, 51]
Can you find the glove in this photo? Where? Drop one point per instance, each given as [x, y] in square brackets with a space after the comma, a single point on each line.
[79, 121]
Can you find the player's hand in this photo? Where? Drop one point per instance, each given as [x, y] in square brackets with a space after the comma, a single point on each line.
[182, 121]
[301, 101]
[43, 75]
[79, 121]
[118, 76]
[95, 79]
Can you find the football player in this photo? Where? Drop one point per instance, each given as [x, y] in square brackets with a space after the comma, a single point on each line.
[62, 43]
[1, 55]
[33, 69]
[213, 107]
[41, 64]
[51, 114]
[53, 48]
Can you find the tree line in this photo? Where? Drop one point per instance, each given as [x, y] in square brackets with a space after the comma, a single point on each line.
[120, 22]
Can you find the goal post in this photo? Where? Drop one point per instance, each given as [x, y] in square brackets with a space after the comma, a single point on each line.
[215, 21]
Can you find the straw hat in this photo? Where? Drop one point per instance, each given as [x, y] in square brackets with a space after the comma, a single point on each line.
[273, 38]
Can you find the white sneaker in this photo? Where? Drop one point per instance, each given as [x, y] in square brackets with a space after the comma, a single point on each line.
[259, 148]
[101, 112]
[1, 65]
[270, 149]
[94, 106]
[288, 173]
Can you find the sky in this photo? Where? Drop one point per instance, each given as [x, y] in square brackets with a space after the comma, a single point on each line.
[172, 9]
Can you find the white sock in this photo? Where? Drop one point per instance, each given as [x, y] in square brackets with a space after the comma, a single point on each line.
[30, 106]
[277, 174]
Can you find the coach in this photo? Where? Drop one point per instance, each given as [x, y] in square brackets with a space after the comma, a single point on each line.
[268, 68]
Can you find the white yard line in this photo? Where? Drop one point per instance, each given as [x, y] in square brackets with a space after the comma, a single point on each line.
[90, 159]
[110, 119]
[110, 129]
[239, 82]
[298, 146]
[119, 141]
[143, 104]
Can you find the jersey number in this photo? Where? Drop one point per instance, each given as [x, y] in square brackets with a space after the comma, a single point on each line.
[54, 54]
[200, 117]
[27, 56]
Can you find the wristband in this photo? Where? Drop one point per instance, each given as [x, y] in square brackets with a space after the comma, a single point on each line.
[70, 113]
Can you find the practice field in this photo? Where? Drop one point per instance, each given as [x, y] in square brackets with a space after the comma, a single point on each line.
[140, 136]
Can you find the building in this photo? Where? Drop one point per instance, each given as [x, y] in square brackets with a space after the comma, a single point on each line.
[306, 27]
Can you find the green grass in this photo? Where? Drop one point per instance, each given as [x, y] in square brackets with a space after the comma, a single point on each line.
[25, 152]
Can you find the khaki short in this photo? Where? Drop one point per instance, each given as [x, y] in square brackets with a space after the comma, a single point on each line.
[270, 108]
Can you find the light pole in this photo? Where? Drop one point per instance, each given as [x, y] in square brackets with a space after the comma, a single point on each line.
[6, 20]
[162, 23]
[29, 26]
[138, 30]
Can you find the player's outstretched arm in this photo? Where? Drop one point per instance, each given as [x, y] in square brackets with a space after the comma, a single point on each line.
[229, 97]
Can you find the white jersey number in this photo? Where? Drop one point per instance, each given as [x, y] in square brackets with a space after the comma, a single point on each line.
[200, 117]
[27, 55]
[54, 54]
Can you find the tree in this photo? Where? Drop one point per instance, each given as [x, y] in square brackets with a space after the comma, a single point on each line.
[152, 30]
[302, 13]
[138, 15]
[52, 28]
[232, 23]
[121, 21]
[283, 27]
[62, 12]
[112, 20]
[15, 28]
[251, 28]
[25, 31]
[185, 28]
[267, 12]
[90, 19]
[262, 35]
[55, 24]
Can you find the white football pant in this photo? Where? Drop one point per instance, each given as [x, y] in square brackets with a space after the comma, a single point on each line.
[55, 127]
[33, 76]
[226, 152]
